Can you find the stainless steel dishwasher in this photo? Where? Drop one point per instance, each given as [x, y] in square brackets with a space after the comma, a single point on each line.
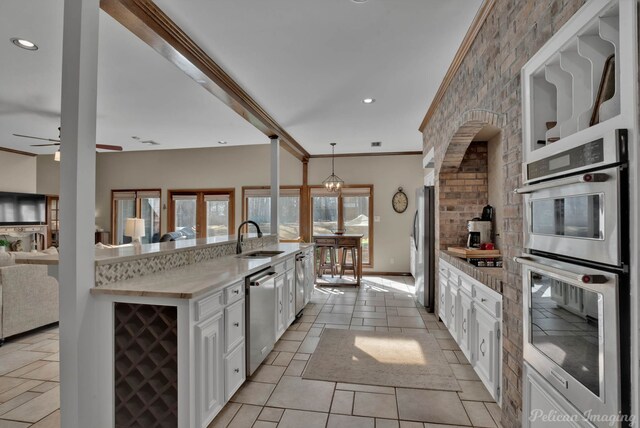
[260, 300]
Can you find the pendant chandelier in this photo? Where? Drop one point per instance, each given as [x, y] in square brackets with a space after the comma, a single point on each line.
[333, 183]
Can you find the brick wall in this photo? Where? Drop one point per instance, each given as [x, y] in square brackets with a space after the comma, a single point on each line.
[463, 194]
[489, 79]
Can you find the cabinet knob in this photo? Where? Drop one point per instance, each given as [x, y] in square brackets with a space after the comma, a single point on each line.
[237, 370]
[236, 291]
[236, 324]
[483, 299]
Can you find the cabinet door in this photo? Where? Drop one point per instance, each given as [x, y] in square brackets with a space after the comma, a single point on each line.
[280, 306]
[290, 279]
[209, 376]
[487, 349]
[452, 312]
[442, 306]
[466, 320]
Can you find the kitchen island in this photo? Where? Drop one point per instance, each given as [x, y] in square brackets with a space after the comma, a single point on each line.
[172, 325]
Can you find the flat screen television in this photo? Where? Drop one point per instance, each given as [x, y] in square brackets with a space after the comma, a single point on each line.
[22, 208]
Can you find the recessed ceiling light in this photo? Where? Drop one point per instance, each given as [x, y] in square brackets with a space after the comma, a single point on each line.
[222, 142]
[369, 100]
[24, 44]
[359, 1]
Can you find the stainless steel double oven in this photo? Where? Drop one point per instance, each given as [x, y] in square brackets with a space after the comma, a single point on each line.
[575, 273]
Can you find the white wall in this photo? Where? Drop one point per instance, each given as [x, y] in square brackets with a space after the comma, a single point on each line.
[496, 184]
[219, 167]
[48, 177]
[238, 166]
[17, 173]
[386, 173]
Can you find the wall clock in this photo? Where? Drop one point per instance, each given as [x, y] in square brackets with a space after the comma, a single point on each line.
[400, 201]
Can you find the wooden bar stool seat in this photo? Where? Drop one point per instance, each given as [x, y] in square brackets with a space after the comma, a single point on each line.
[323, 264]
[351, 266]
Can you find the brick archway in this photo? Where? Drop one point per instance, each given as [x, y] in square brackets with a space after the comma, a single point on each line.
[471, 122]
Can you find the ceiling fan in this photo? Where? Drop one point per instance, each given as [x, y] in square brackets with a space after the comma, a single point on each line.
[54, 142]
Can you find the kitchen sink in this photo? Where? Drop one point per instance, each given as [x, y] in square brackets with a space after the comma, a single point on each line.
[259, 254]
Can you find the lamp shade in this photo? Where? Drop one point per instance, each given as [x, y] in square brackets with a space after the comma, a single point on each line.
[134, 227]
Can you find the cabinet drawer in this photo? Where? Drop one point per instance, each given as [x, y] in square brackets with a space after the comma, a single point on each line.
[488, 300]
[348, 242]
[234, 292]
[208, 306]
[325, 241]
[466, 285]
[234, 324]
[234, 374]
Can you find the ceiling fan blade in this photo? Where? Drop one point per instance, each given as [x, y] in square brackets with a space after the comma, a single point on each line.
[36, 138]
[45, 145]
[108, 147]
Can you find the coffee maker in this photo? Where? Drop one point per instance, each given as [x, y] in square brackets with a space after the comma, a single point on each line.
[479, 232]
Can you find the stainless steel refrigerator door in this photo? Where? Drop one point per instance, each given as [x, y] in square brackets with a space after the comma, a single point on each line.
[418, 236]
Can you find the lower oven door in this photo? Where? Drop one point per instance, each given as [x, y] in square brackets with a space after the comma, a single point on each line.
[576, 217]
[571, 331]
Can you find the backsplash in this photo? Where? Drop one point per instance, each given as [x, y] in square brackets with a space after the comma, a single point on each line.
[145, 265]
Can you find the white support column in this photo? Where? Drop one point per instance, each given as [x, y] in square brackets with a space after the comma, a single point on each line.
[78, 376]
[275, 185]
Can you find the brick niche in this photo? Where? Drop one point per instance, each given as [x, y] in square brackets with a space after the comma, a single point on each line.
[489, 79]
[461, 195]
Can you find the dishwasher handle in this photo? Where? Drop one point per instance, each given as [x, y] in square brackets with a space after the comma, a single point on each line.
[257, 282]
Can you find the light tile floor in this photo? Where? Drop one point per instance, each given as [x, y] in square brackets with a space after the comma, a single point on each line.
[30, 381]
[277, 396]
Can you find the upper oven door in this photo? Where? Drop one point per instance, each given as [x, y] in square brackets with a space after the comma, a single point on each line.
[576, 217]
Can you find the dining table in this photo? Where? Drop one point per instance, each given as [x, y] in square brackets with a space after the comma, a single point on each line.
[343, 241]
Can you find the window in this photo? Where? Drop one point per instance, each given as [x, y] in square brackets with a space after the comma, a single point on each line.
[351, 211]
[257, 203]
[202, 213]
[144, 204]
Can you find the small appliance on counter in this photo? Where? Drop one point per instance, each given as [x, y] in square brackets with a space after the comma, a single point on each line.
[479, 232]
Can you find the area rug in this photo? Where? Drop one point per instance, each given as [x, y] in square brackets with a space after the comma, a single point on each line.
[380, 358]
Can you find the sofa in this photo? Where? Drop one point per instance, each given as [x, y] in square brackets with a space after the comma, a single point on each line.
[28, 298]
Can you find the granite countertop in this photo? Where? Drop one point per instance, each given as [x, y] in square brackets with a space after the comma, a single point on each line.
[132, 252]
[491, 277]
[188, 282]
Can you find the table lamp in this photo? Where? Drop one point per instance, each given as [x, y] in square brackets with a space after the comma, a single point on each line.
[134, 227]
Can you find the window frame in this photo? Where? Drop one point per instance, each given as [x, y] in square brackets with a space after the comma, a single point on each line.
[138, 204]
[341, 214]
[245, 206]
[201, 207]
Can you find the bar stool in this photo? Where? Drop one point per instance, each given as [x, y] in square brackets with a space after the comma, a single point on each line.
[323, 265]
[352, 266]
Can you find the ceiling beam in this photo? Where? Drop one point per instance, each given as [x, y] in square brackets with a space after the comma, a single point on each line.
[354, 155]
[147, 21]
[468, 40]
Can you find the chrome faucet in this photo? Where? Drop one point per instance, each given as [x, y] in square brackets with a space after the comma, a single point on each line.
[239, 242]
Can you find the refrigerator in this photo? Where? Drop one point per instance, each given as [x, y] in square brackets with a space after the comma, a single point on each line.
[423, 247]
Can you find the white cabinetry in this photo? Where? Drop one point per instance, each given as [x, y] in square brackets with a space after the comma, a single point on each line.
[472, 312]
[208, 358]
[290, 287]
[486, 331]
[280, 306]
[219, 358]
[464, 335]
